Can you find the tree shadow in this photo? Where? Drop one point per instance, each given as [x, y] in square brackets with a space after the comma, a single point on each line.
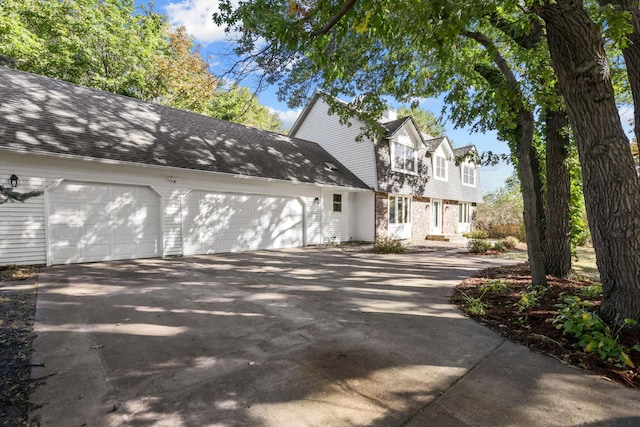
[305, 336]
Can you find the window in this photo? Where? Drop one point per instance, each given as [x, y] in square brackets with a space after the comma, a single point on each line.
[469, 175]
[404, 158]
[440, 168]
[464, 213]
[399, 210]
[337, 202]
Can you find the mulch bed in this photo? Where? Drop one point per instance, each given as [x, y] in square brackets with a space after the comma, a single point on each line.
[533, 327]
[17, 312]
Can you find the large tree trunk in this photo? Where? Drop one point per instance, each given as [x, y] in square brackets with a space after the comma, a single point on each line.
[557, 241]
[529, 183]
[631, 55]
[611, 186]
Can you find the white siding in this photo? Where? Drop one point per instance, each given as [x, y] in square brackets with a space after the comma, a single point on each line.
[340, 141]
[22, 225]
[362, 219]
[335, 224]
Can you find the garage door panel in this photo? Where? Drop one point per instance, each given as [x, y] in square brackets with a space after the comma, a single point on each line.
[217, 222]
[99, 222]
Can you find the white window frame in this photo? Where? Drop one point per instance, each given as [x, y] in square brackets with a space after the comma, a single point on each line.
[464, 213]
[401, 168]
[399, 203]
[436, 168]
[466, 176]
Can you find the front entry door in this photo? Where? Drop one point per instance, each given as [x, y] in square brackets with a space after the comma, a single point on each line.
[436, 216]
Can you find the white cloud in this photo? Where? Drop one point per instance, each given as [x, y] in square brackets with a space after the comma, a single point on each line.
[287, 117]
[195, 16]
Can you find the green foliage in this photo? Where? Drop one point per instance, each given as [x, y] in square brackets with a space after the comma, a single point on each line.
[510, 242]
[427, 122]
[592, 292]
[477, 246]
[497, 286]
[502, 208]
[237, 104]
[591, 333]
[499, 246]
[475, 305]
[530, 297]
[477, 234]
[388, 246]
[109, 45]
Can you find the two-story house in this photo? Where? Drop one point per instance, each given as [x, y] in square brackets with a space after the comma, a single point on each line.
[421, 187]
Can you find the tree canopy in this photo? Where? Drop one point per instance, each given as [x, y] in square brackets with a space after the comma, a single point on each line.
[111, 45]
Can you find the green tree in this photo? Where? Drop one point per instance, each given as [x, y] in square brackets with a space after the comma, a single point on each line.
[611, 185]
[238, 104]
[180, 76]
[102, 44]
[427, 122]
[109, 45]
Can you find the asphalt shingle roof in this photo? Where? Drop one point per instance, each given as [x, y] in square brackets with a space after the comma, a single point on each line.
[46, 116]
[434, 143]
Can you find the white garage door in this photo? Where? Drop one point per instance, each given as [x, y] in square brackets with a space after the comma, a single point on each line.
[219, 222]
[100, 222]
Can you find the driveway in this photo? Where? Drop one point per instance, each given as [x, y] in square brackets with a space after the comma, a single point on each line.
[300, 337]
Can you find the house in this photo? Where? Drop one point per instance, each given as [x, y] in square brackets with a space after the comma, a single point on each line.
[125, 179]
[423, 187]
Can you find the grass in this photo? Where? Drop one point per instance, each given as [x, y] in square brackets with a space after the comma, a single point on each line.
[583, 261]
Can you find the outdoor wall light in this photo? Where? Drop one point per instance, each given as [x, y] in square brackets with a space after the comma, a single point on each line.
[14, 181]
[316, 201]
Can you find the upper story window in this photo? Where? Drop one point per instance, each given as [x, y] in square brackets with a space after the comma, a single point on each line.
[337, 203]
[404, 158]
[469, 175]
[440, 168]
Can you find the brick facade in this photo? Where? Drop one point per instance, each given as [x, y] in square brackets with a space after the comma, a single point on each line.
[420, 219]
[382, 215]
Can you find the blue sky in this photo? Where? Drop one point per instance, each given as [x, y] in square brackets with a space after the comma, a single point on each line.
[195, 15]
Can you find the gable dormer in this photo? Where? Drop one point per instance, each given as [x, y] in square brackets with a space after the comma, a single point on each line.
[441, 156]
[405, 145]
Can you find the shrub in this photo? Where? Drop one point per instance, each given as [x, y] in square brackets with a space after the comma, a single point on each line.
[388, 246]
[510, 242]
[477, 246]
[477, 234]
[499, 246]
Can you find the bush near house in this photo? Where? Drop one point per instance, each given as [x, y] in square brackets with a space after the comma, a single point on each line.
[388, 246]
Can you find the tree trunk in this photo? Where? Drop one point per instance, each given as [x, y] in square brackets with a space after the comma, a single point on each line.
[631, 55]
[557, 241]
[611, 186]
[528, 183]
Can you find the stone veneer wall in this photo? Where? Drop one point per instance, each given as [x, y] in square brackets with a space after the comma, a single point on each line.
[450, 216]
[382, 215]
[420, 219]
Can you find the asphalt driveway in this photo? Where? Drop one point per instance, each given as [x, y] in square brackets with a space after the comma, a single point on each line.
[313, 336]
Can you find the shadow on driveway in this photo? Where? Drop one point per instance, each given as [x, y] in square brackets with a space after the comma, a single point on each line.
[313, 336]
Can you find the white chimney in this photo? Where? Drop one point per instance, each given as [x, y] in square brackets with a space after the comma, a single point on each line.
[389, 116]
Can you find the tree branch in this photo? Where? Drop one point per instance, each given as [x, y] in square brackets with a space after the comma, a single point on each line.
[498, 59]
[333, 21]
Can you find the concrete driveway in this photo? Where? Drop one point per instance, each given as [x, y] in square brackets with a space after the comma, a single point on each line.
[313, 336]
